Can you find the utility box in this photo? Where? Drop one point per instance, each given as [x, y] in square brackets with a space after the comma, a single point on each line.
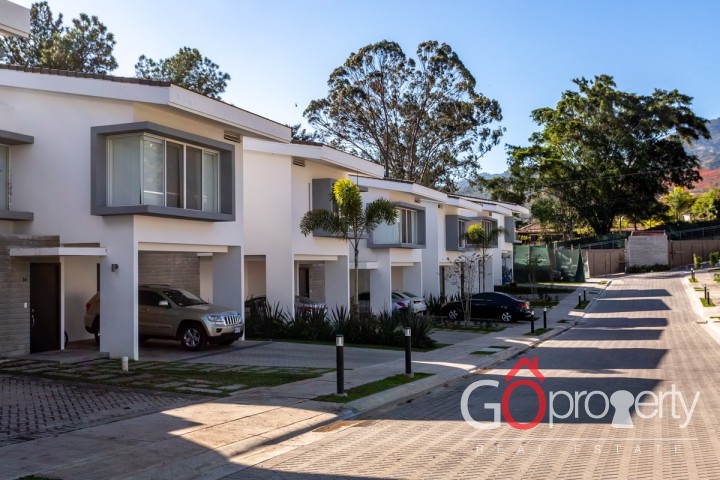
[647, 248]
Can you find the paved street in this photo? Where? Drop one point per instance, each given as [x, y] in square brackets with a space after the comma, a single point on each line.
[641, 335]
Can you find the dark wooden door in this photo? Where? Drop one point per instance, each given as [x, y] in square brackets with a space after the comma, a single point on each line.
[304, 281]
[44, 307]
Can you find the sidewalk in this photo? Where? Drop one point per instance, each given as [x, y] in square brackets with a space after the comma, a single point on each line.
[215, 438]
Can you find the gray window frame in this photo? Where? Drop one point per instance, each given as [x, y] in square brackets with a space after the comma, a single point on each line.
[421, 230]
[99, 173]
[12, 140]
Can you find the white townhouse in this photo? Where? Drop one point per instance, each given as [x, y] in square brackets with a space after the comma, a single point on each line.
[14, 20]
[415, 253]
[109, 182]
[281, 183]
[448, 224]
[391, 257]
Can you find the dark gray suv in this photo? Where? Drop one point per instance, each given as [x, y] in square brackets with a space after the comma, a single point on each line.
[174, 313]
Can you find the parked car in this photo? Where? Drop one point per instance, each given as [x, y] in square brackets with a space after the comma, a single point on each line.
[174, 313]
[498, 305]
[399, 302]
[306, 307]
[413, 301]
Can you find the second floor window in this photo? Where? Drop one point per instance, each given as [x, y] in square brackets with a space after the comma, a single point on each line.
[149, 170]
[4, 177]
[462, 233]
[405, 230]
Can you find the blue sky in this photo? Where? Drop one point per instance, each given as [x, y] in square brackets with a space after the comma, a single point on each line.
[523, 53]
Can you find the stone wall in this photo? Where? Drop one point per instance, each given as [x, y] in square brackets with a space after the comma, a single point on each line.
[647, 248]
[173, 268]
[15, 288]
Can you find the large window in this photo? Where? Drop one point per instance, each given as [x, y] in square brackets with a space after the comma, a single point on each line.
[4, 176]
[405, 230]
[462, 233]
[150, 170]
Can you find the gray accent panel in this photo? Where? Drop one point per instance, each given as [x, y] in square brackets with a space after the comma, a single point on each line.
[12, 215]
[158, 211]
[12, 138]
[421, 230]
[452, 240]
[98, 173]
[322, 199]
[510, 230]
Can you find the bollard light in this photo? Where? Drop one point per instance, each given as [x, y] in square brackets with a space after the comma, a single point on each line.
[124, 364]
[545, 318]
[692, 272]
[340, 364]
[408, 349]
[584, 295]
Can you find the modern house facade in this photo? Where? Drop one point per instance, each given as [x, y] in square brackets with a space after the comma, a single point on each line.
[101, 174]
[282, 183]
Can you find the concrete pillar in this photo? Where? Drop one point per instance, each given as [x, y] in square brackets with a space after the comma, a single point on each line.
[337, 283]
[228, 273]
[280, 274]
[119, 290]
[413, 279]
[381, 285]
[435, 237]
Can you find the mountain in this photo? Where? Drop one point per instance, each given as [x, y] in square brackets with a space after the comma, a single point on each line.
[708, 151]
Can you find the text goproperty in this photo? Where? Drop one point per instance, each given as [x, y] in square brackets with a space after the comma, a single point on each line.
[646, 404]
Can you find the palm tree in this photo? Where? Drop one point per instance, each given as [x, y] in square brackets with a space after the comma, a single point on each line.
[350, 221]
[483, 240]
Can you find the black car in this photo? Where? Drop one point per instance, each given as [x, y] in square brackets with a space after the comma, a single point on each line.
[498, 305]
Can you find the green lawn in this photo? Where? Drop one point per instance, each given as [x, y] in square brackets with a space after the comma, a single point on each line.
[538, 332]
[371, 388]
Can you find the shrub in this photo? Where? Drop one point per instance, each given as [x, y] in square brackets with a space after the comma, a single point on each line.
[647, 268]
[434, 303]
[714, 258]
[697, 260]
[421, 326]
[266, 321]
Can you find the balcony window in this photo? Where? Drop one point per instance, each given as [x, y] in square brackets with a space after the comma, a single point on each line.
[406, 231]
[462, 233]
[149, 170]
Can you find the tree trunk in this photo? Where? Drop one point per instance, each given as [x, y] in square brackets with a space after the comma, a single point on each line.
[355, 311]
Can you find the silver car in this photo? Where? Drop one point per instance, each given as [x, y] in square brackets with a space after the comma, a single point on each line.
[174, 313]
[415, 303]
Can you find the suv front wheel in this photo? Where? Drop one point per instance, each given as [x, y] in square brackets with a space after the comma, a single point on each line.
[193, 337]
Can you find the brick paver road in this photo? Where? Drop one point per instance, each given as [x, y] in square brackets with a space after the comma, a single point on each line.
[32, 408]
[640, 336]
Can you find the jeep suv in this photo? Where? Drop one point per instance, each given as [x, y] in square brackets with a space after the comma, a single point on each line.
[174, 313]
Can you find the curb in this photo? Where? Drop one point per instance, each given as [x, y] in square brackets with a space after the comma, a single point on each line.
[413, 390]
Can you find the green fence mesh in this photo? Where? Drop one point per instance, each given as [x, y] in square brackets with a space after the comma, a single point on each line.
[541, 263]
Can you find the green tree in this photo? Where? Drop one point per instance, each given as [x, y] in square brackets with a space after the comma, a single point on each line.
[707, 205]
[605, 152]
[350, 221]
[422, 120]
[551, 214]
[679, 202]
[188, 69]
[86, 46]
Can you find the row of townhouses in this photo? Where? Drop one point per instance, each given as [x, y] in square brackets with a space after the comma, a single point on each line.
[107, 183]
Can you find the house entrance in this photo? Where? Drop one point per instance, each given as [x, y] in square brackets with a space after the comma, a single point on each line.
[44, 307]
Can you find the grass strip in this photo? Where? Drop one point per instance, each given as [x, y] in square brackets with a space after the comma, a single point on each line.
[372, 346]
[372, 388]
[706, 302]
[581, 305]
[538, 332]
[173, 377]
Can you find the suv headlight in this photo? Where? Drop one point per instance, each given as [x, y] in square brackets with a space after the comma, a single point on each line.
[214, 318]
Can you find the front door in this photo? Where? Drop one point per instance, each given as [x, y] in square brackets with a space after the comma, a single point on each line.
[304, 281]
[44, 307]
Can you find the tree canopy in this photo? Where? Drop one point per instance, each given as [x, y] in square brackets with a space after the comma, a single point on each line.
[187, 68]
[86, 46]
[423, 120]
[604, 152]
